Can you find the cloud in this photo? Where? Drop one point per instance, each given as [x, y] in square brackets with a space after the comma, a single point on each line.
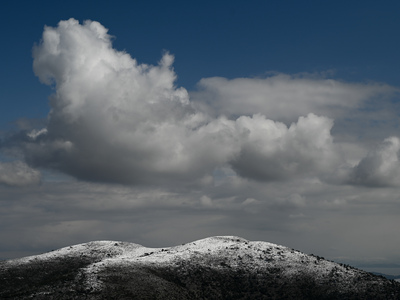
[18, 174]
[285, 97]
[206, 201]
[271, 150]
[380, 167]
[114, 120]
[299, 214]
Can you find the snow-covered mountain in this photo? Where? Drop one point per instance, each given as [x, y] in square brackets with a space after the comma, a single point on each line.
[224, 267]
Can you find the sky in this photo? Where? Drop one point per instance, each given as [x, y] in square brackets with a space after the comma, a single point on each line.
[160, 123]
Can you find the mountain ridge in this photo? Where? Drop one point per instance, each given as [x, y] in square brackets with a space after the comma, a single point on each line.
[220, 267]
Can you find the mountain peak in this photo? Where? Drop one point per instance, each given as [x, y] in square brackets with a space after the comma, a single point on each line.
[219, 267]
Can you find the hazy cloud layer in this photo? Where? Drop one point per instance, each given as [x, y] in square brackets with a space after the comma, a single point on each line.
[309, 215]
[284, 97]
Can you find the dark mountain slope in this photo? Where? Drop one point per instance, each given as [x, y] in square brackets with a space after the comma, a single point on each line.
[212, 268]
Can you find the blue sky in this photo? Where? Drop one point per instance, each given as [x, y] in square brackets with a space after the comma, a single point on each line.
[355, 39]
[271, 120]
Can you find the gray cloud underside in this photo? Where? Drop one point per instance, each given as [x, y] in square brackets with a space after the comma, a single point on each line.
[114, 120]
[312, 216]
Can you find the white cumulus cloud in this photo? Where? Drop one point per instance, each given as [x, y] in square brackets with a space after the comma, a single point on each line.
[271, 150]
[115, 120]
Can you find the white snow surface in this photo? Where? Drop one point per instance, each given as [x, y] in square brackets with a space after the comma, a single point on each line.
[214, 252]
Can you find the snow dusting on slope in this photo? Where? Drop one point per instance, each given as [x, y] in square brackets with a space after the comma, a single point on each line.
[214, 252]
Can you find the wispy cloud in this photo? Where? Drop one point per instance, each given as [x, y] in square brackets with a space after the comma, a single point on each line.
[285, 97]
